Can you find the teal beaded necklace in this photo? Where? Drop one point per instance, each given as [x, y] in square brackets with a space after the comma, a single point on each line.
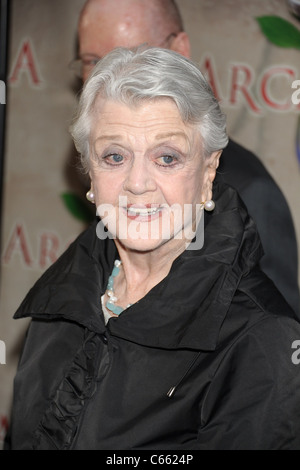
[110, 304]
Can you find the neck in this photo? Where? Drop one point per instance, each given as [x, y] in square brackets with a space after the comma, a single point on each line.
[141, 271]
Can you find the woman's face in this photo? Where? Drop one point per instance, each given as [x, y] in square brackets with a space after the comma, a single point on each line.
[147, 172]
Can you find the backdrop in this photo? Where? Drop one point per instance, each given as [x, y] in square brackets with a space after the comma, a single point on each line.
[44, 208]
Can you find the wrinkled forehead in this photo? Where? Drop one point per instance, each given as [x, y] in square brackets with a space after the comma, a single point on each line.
[155, 120]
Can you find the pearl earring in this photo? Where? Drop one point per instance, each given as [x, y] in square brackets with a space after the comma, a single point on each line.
[90, 196]
[209, 205]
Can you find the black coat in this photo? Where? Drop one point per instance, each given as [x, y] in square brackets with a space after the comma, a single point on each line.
[203, 361]
[267, 206]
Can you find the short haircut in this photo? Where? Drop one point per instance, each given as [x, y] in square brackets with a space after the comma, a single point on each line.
[132, 77]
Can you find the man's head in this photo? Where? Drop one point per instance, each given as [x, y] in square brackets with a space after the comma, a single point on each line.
[106, 24]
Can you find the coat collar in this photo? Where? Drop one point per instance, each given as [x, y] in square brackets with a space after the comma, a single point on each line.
[185, 310]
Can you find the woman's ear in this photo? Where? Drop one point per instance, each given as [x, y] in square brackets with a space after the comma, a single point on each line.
[91, 190]
[181, 44]
[90, 176]
[211, 165]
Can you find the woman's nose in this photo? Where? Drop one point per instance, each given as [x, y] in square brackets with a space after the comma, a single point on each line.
[139, 178]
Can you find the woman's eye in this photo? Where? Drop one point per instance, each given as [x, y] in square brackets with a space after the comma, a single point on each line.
[167, 160]
[114, 159]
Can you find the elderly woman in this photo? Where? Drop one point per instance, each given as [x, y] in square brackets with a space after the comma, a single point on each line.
[153, 330]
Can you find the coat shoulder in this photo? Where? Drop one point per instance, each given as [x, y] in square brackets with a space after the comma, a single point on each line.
[258, 308]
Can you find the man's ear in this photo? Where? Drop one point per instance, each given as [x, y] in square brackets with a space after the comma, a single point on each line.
[181, 44]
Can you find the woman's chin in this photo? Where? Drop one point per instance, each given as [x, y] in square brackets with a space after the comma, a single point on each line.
[142, 245]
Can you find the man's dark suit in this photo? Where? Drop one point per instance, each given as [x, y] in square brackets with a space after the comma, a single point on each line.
[268, 208]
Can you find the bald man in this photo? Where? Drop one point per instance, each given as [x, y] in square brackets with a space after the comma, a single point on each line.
[106, 24]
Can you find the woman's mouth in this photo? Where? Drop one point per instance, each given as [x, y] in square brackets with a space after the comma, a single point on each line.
[143, 213]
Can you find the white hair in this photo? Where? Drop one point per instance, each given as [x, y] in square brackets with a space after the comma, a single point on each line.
[133, 76]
